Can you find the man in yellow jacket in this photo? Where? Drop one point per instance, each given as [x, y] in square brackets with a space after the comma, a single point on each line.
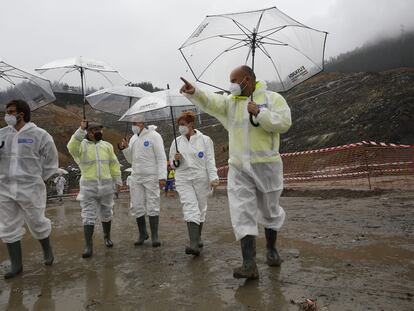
[100, 173]
[255, 178]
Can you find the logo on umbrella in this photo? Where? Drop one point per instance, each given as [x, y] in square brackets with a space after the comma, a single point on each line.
[199, 30]
[298, 73]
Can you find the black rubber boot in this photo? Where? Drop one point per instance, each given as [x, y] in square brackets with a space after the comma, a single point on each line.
[272, 256]
[47, 252]
[142, 228]
[200, 242]
[154, 220]
[15, 255]
[88, 232]
[106, 227]
[249, 269]
[194, 234]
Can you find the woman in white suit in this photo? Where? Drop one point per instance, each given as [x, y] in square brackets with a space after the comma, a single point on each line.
[195, 176]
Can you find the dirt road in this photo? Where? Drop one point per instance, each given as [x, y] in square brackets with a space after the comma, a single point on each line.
[348, 250]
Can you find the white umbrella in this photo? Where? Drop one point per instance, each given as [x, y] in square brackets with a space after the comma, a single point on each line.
[116, 100]
[160, 106]
[280, 50]
[99, 75]
[19, 84]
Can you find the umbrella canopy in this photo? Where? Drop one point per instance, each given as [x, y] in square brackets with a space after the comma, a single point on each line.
[159, 106]
[18, 84]
[280, 50]
[93, 74]
[116, 100]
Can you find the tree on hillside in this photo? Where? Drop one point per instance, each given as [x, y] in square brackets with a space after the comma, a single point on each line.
[147, 86]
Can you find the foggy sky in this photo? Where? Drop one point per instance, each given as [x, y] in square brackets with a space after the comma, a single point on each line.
[141, 38]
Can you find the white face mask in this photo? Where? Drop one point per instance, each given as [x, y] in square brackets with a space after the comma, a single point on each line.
[136, 129]
[10, 119]
[235, 88]
[184, 130]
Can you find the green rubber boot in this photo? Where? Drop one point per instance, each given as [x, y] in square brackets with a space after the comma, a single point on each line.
[194, 234]
[249, 269]
[154, 220]
[142, 228]
[272, 256]
[47, 252]
[88, 233]
[106, 228]
[15, 255]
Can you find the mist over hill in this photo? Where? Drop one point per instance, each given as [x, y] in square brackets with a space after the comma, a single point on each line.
[378, 56]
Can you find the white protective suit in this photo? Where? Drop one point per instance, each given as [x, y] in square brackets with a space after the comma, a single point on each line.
[27, 159]
[193, 176]
[255, 178]
[149, 164]
[60, 183]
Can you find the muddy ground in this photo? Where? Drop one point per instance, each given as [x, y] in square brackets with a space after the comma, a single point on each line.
[347, 250]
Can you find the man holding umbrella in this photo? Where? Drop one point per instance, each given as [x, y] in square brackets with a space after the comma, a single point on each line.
[255, 178]
[100, 171]
[28, 157]
[145, 151]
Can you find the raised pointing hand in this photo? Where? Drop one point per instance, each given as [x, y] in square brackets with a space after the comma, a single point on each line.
[187, 88]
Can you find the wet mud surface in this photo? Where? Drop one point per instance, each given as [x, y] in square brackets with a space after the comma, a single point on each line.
[346, 250]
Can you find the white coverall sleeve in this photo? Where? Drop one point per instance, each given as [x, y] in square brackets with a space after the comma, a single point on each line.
[276, 117]
[160, 157]
[49, 156]
[211, 103]
[75, 143]
[128, 151]
[128, 154]
[210, 159]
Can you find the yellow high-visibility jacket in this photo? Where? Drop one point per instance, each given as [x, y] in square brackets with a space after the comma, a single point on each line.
[246, 142]
[97, 161]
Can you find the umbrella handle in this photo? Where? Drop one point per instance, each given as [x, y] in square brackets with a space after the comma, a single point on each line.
[2, 144]
[252, 122]
[176, 163]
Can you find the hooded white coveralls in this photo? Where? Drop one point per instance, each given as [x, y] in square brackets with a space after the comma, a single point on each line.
[255, 178]
[100, 174]
[193, 176]
[60, 183]
[27, 159]
[149, 164]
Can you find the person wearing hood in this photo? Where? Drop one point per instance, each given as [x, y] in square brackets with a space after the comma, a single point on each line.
[145, 152]
[28, 157]
[255, 178]
[195, 176]
[100, 173]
